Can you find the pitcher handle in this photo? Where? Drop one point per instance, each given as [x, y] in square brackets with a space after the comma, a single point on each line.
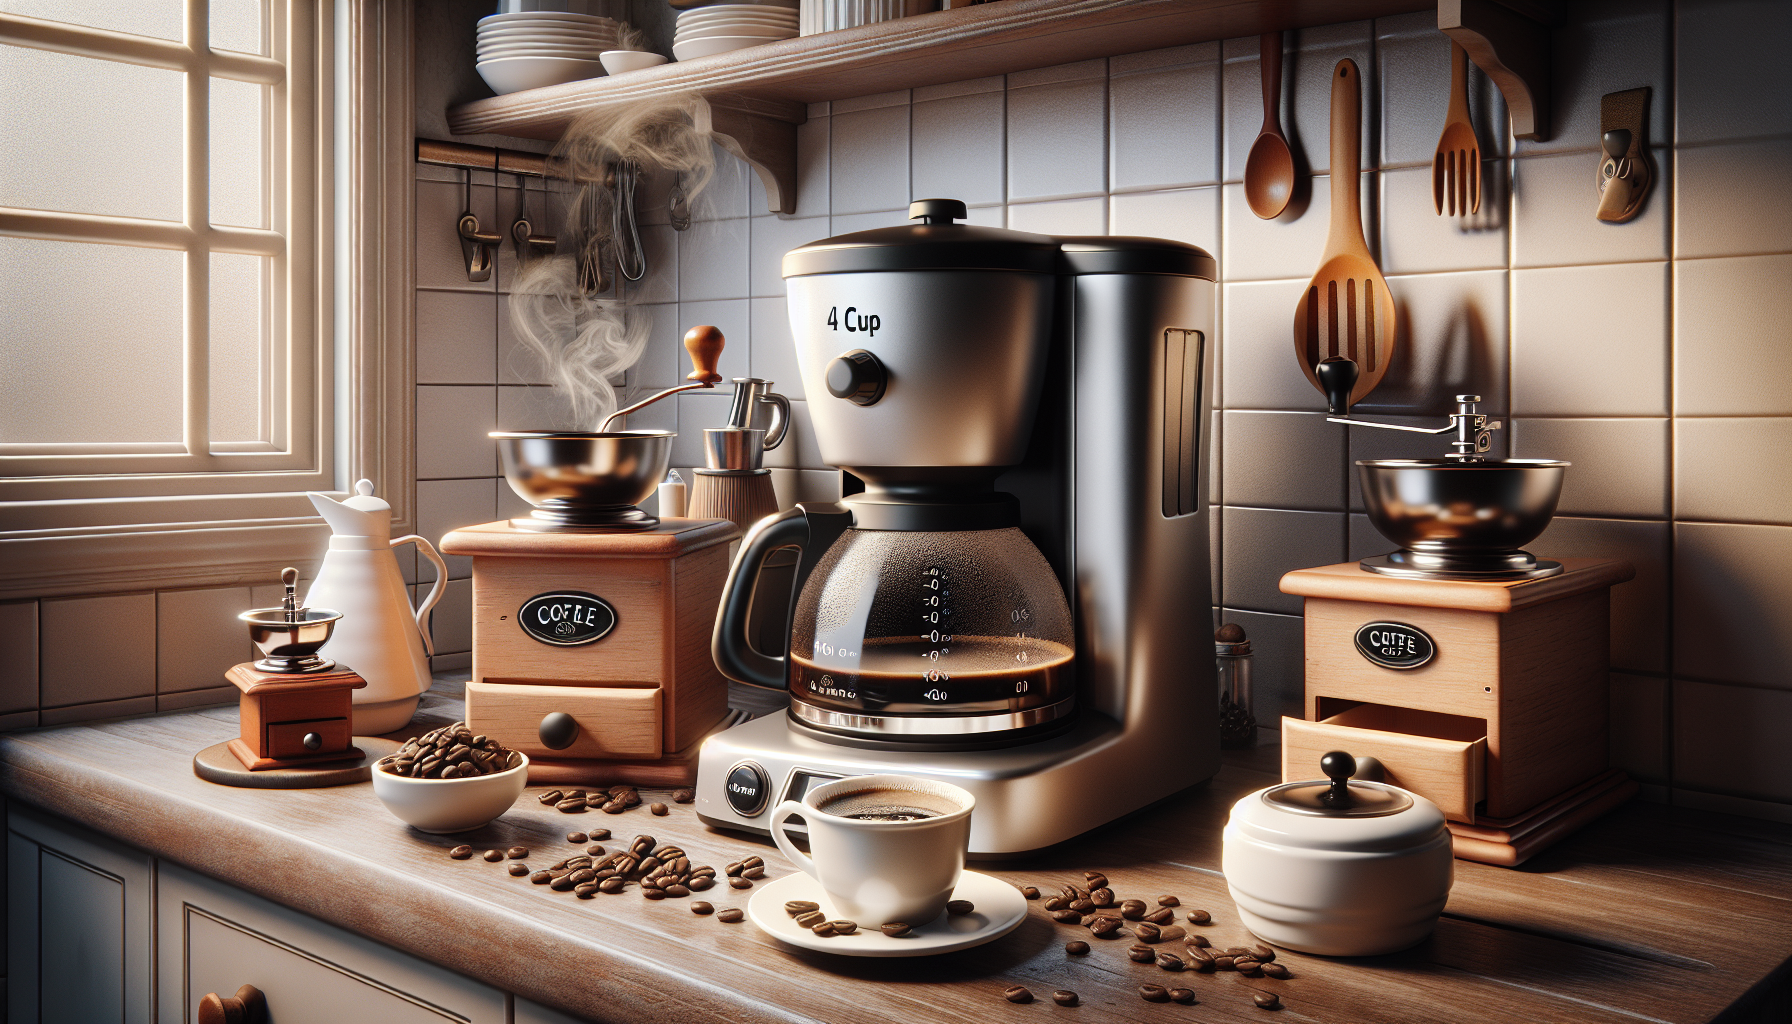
[435, 592]
[785, 846]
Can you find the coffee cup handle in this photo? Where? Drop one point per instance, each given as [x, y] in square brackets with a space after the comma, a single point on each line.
[783, 813]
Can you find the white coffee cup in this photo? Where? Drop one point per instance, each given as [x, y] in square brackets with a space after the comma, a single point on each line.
[876, 871]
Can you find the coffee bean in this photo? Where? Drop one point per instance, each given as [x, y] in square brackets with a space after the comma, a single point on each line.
[649, 864]
[1248, 967]
[1105, 927]
[894, 929]
[1267, 1000]
[1146, 931]
[1017, 994]
[1170, 933]
[586, 891]
[577, 837]
[678, 890]
[1064, 997]
[518, 870]
[461, 852]
[1276, 971]
[583, 875]
[562, 884]
[825, 929]
[960, 907]
[1170, 962]
[574, 805]
[594, 850]
[811, 918]
[653, 894]
[730, 916]
[1070, 892]
[1264, 953]
[754, 861]
[1199, 917]
[517, 852]
[597, 834]
[493, 855]
[1096, 879]
[1222, 963]
[1185, 996]
[683, 796]
[1029, 892]
[1077, 947]
[658, 809]
[542, 877]
[1201, 954]
[1056, 903]
[1154, 993]
[1164, 916]
[741, 883]
[612, 885]
[700, 907]
[1082, 906]
[1132, 910]
[845, 927]
[1168, 901]
[1198, 940]
[702, 882]
[1236, 951]
[1102, 897]
[1141, 954]
[756, 871]
[552, 796]
[1067, 917]
[614, 807]
[795, 907]
[704, 869]
[733, 870]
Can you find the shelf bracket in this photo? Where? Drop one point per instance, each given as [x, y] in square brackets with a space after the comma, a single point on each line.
[1509, 40]
[761, 132]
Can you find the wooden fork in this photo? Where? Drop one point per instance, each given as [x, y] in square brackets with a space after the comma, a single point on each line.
[1456, 167]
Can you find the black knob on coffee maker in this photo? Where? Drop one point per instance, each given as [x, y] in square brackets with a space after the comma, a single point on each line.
[937, 211]
[1337, 376]
[858, 376]
[558, 730]
[1338, 766]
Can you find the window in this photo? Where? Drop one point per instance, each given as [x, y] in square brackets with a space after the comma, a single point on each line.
[169, 357]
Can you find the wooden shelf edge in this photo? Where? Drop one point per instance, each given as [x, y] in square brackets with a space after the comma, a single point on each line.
[1509, 40]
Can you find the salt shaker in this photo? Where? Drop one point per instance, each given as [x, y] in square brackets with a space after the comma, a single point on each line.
[1232, 661]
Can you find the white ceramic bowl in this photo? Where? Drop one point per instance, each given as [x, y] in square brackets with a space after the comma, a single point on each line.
[695, 48]
[597, 8]
[758, 32]
[618, 62]
[774, 16]
[514, 74]
[573, 52]
[451, 805]
[543, 18]
[546, 31]
[686, 26]
[554, 38]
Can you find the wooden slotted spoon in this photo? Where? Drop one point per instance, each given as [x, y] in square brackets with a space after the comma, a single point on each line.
[1456, 166]
[1346, 310]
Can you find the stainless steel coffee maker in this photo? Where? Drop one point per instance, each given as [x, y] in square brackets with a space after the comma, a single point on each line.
[1017, 600]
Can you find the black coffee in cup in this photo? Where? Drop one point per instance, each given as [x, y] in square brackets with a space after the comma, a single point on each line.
[887, 804]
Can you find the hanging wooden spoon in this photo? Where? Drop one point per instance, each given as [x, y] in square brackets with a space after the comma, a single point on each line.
[1269, 169]
[1346, 310]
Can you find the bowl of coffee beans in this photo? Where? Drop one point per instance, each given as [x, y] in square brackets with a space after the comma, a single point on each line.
[450, 780]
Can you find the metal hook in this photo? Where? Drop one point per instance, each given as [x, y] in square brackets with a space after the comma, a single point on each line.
[622, 214]
[522, 232]
[678, 205]
[592, 278]
[479, 247]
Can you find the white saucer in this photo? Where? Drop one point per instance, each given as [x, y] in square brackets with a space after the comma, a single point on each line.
[1000, 909]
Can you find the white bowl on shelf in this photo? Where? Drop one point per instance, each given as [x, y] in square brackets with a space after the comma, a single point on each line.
[762, 14]
[514, 74]
[737, 29]
[533, 50]
[451, 805]
[533, 36]
[543, 18]
[598, 8]
[739, 9]
[692, 26]
[619, 62]
[693, 48]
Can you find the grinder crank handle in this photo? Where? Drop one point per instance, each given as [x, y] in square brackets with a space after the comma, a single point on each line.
[812, 530]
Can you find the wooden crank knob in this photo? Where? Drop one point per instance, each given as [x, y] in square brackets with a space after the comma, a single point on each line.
[248, 1006]
[705, 346]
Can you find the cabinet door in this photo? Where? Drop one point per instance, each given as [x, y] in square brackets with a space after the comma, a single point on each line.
[79, 924]
[215, 938]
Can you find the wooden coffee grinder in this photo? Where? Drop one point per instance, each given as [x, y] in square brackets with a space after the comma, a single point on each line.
[296, 707]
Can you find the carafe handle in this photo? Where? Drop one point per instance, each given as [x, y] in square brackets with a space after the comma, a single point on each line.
[812, 531]
[435, 592]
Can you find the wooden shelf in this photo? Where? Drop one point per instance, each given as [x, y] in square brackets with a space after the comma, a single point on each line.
[760, 94]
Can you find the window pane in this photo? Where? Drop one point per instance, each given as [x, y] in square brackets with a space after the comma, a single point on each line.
[90, 342]
[236, 25]
[237, 147]
[90, 136]
[163, 19]
[239, 347]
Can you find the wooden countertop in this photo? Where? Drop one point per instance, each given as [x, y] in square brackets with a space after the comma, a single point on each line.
[1651, 914]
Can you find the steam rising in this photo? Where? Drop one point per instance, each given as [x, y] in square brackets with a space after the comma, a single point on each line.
[582, 339]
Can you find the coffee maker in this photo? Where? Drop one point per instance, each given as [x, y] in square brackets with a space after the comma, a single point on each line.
[1017, 599]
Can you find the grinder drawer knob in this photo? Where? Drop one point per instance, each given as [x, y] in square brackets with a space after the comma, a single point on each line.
[858, 376]
[313, 741]
[558, 731]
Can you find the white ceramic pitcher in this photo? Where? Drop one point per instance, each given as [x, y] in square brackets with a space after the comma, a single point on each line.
[379, 636]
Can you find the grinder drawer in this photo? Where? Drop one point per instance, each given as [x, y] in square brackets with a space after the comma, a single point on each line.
[1443, 758]
[614, 721]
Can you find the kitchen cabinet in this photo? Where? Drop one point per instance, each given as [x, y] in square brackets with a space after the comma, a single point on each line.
[535, 1013]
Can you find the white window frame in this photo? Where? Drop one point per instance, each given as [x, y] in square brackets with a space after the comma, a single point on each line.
[110, 519]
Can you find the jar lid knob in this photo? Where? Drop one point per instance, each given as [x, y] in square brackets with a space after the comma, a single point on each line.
[1338, 766]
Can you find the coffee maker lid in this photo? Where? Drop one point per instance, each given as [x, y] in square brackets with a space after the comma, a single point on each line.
[934, 243]
[1131, 254]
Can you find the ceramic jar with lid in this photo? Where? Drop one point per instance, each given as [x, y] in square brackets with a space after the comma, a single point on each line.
[1341, 867]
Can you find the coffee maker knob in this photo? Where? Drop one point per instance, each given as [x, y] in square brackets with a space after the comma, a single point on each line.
[858, 376]
[558, 730]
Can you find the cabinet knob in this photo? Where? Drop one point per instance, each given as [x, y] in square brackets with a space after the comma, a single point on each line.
[313, 741]
[248, 1006]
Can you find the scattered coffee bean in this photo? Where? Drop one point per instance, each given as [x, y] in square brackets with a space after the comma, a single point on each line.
[1263, 953]
[582, 875]
[1056, 903]
[542, 877]
[1237, 951]
[1102, 897]
[1276, 971]
[894, 929]
[1267, 1000]
[597, 834]
[1029, 892]
[1141, 954]
[1096, 879]
[754, 861]
[518, 870]
[614, 807]
[825, 929]
[795, 907]
[1170, 962]
[517, 852]
[702, 882]
[811, 918]
[678, 890]
[659, 810]
[730, 916]
[653, 894]
[1170, 933]
[1077, 947]
[1067, 917]
[1222, 963]
[1160, 917]
[612, 885]
[585, 892]
[700, 907]
[1146, 931]
[594, 850]
[1248, 967]
[733, 870]
[1154, 993]
[493, 855]
[683, 796]
[1132, 910]
[741, 883]
[572, 805]
[1017, 994]
[563, 884]
[1168, 901]
[461, 852]
[844, 927]
[1082, 906]
[577, 838]
[1105, 927]
[756, 871]
[1199, 917]
[552, 796]
[1064, 997]
[959, 908]
[1185, 996]
[1199, 941]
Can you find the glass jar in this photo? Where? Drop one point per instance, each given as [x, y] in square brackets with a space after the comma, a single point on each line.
[1232, 662]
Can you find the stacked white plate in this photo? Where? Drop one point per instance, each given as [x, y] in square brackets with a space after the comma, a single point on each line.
[532, 49]
[718, 28]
